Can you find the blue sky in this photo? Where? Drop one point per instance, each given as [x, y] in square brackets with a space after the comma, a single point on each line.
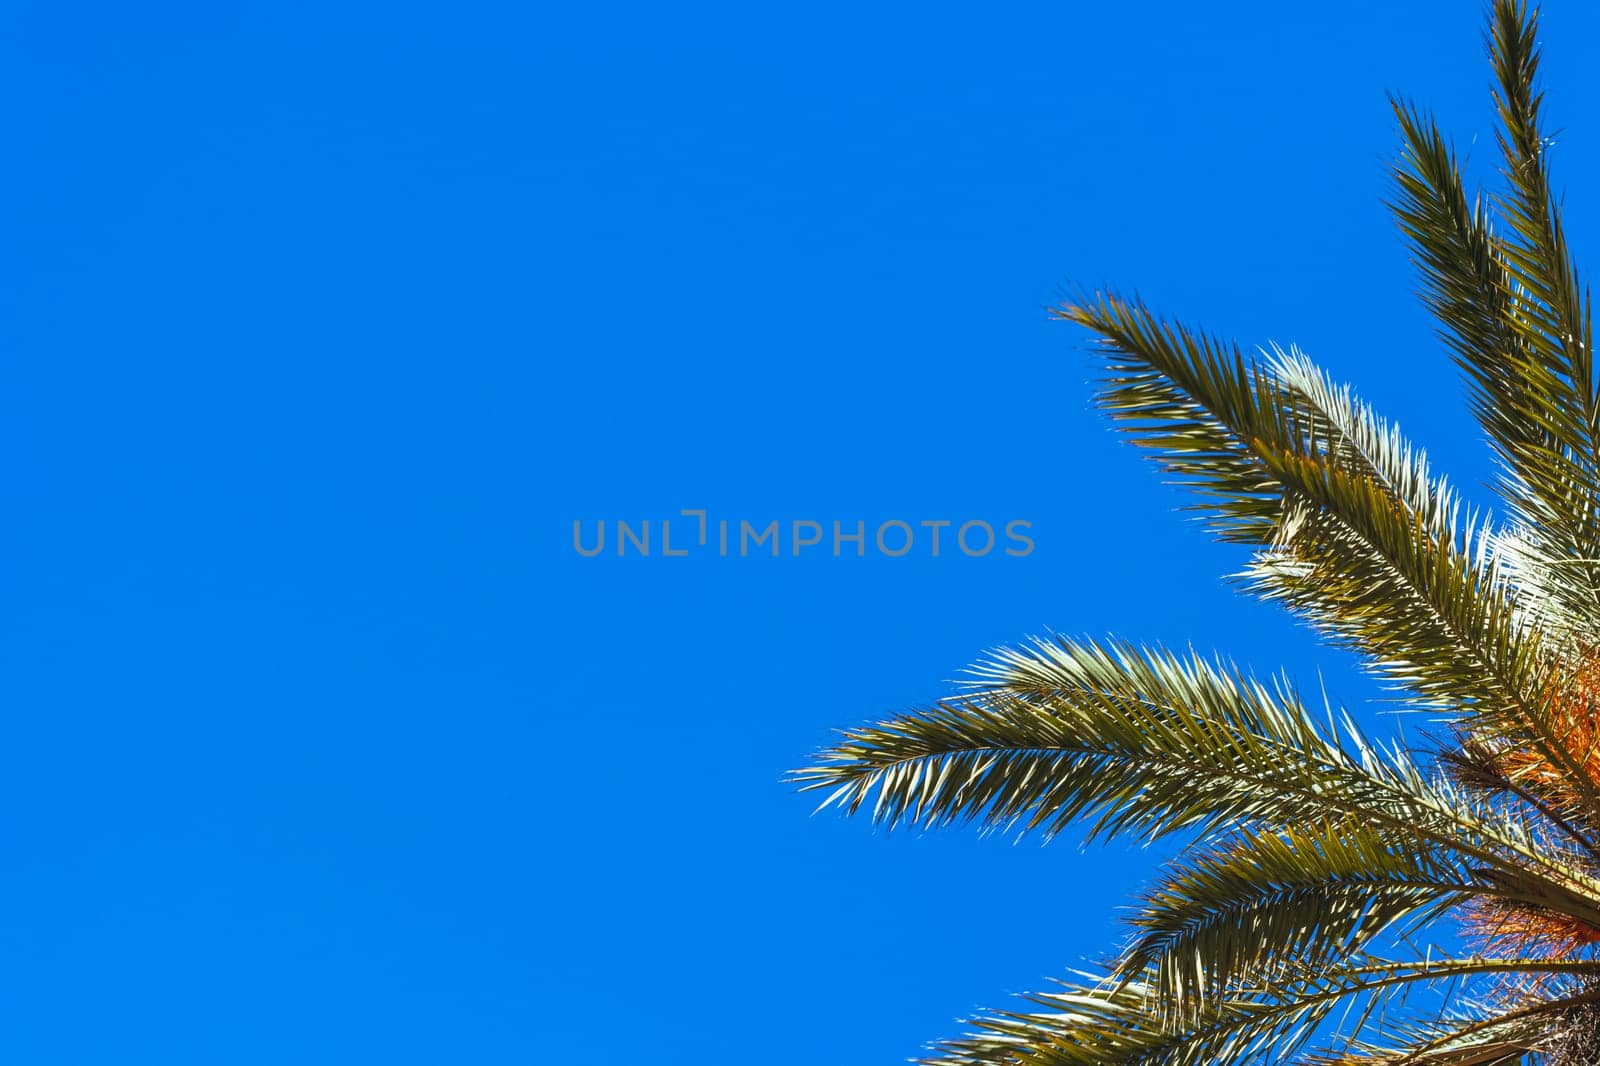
[322, 324]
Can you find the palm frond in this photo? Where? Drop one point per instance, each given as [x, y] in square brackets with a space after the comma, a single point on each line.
[1268, 903]
[1355, 535]
[1111, 1022]
[1551, 1016]
[1513, 313]
[1555, 312]
[1142, 741]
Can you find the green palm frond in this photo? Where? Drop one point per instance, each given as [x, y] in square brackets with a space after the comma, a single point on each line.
[1112, 1022]
[1416, 590]
[1555, 310]
[1097, 1023]
[1513, 312]
[1266, 903]
[1310, 852]
[1355, 534]
[1544, 1022]
[1442, 1042]
[1145, 741]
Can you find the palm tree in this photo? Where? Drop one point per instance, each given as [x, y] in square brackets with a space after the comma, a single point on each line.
[1315, 856]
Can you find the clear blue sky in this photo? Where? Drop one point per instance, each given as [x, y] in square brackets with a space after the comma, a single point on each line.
[322, 323]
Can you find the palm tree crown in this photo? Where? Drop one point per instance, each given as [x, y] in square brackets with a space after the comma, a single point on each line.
[1314, 854]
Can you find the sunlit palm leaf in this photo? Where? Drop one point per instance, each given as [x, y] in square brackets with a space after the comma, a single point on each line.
[1513, 312]
[1108, 1022]
[1357, 537]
